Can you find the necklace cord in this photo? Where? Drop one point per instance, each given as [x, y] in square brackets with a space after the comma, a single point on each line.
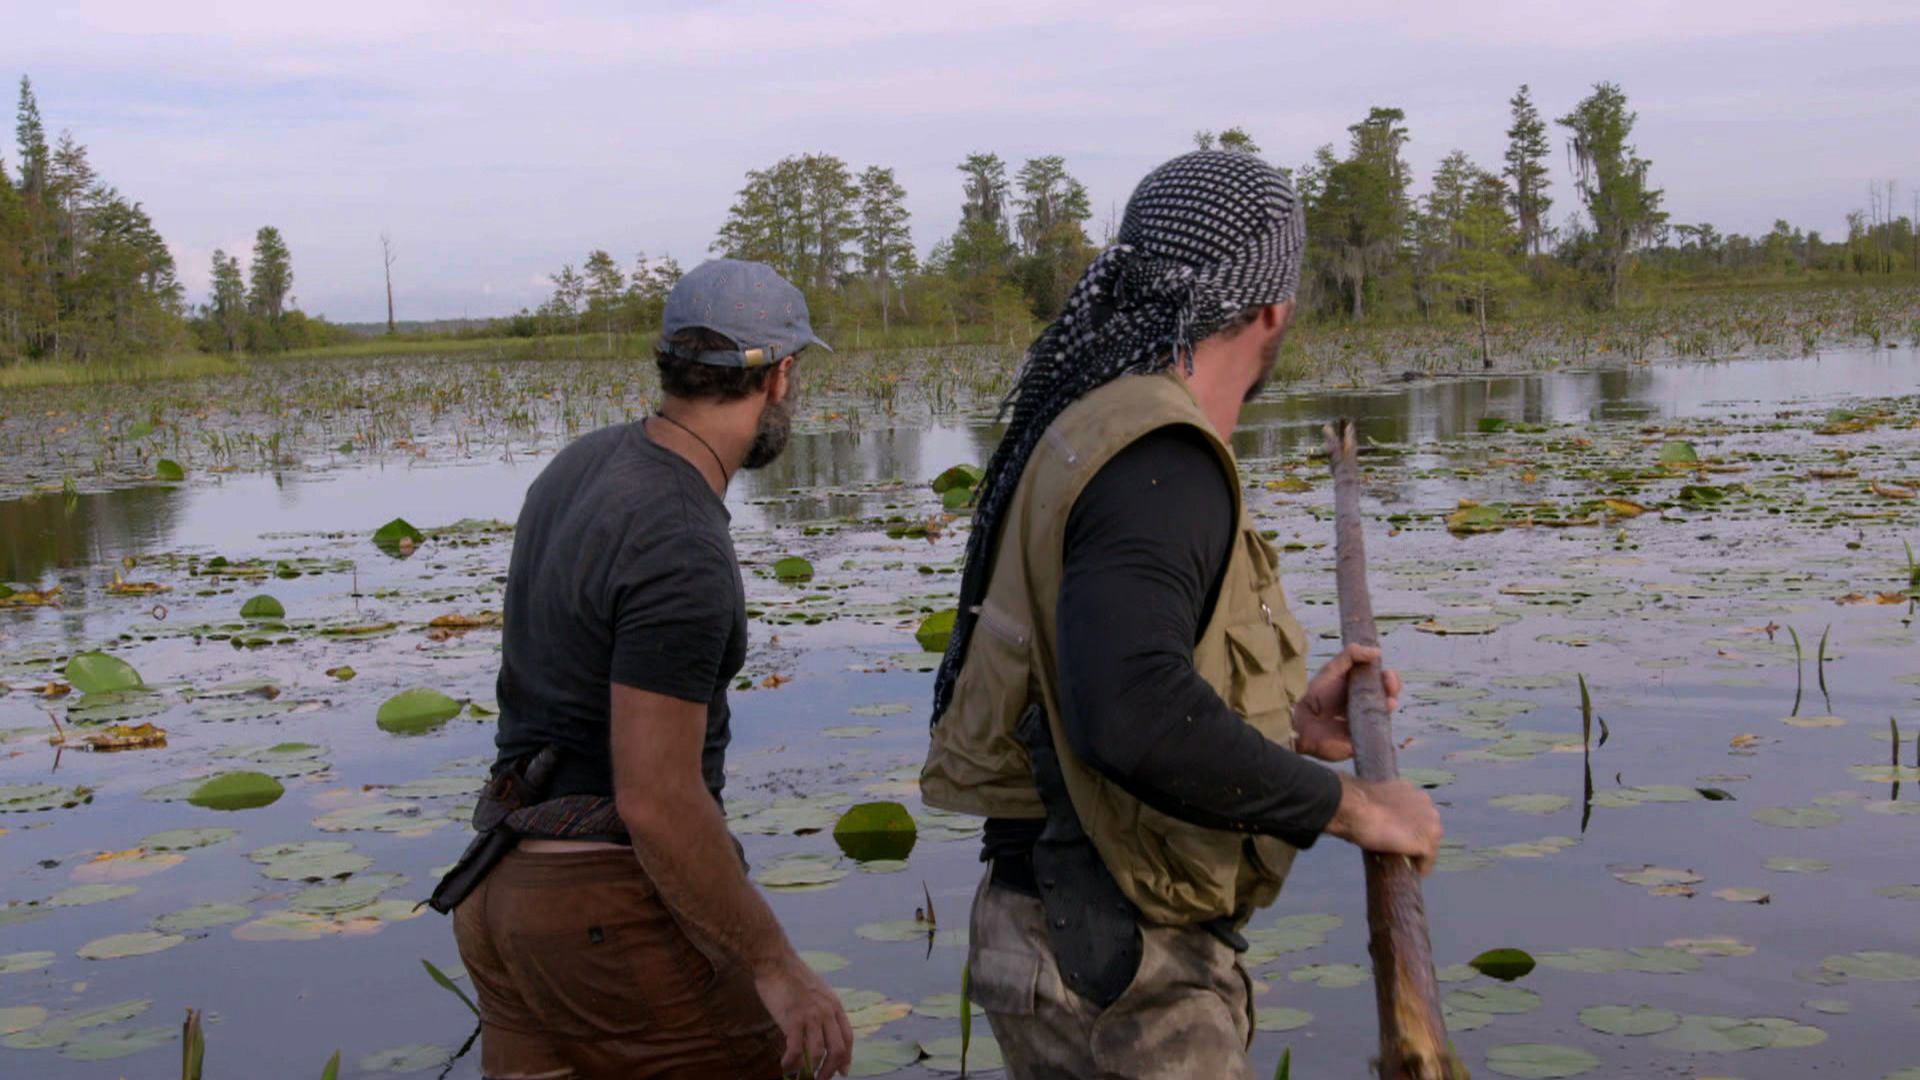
[725, 477]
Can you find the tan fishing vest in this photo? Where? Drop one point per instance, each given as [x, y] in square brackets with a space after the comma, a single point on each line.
[1252, 652]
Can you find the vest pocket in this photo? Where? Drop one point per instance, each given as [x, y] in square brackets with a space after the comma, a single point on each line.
[1293, 636]
[1257, 689]
[977, 764]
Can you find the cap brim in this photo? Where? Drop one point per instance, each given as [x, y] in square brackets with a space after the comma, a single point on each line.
[811, 340]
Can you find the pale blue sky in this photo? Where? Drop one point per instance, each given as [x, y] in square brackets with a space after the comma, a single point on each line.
[495, 141]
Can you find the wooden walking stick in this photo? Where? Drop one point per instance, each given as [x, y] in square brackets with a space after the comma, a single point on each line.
[1413, 1036]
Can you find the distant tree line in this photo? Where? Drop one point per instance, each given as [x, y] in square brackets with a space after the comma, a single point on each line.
[251, 310]
[845, 238]
[85, 276]
[1479, 238]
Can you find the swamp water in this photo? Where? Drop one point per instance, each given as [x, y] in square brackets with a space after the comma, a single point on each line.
[1723, 884]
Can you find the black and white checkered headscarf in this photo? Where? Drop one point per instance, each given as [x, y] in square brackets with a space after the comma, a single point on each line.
[1205, 237]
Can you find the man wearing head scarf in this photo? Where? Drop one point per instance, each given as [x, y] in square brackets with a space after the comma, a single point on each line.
[1125, 697]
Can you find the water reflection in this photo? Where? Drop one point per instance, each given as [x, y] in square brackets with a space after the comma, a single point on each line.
[829, 469]
[1431, 409]
[50, 532]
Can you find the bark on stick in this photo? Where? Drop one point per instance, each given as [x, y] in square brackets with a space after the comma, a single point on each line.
[1413, 1036]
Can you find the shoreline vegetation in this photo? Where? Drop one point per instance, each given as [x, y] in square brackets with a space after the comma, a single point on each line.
[1693, 322]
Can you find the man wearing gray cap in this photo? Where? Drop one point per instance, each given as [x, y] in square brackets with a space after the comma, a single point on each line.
[604, 913]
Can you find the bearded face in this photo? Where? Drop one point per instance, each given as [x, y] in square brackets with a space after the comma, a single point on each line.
[770, 437]
[1269, 358]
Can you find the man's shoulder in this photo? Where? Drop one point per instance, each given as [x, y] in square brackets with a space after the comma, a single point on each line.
[614, 486]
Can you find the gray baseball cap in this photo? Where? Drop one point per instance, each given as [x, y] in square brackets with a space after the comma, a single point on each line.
[747, 302]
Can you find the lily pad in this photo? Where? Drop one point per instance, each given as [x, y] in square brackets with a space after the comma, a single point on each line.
[405, 816]
[237, 791]
[1712, 946]
[13, 963]
[111, 1044]
[1281, 1018]
[825, 963]
[1493, 1000]
[800, 871]
[336, 897]
[935, 631]
[64, 1029]
[1504, 964]
[188, 839]
[263, 607]
[398, 538]
[1797, 817]
[869, 1010]
[120, 946]
[17, 1018]
[1629, 1019]
[199, 917]
[1715, 1035]
[876, 831]
[1331, 976]
[169, 470]
[895, 930]
[793, 568]
[1464, 625]
[309, 860]
[86, 895]
[1652, 876]
[416, 711]
[38, 798]
[983, 1054]
[1531, 803]
[1540, 1061]
[878, 1057]
[1653, 961]
[1875, 966]
[98, 673]
[962, 477]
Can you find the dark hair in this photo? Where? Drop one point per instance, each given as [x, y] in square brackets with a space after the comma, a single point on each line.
[683, 378]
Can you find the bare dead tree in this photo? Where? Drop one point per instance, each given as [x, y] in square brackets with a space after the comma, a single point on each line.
[389, 258]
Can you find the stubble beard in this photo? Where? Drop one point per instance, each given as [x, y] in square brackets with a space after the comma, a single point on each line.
[1269, 359]
[771, 436]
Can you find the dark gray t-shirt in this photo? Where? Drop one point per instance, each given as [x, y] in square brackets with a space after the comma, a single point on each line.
[623, 571]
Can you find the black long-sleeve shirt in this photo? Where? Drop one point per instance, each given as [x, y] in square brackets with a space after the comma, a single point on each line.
[1146, 547]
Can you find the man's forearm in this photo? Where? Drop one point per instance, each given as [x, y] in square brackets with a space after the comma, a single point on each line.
[683, 845]
[1202, 763]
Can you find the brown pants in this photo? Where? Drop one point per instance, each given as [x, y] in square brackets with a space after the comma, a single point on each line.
[584, 974]
[1188, 1012]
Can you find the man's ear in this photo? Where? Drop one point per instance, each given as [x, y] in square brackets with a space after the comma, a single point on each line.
[781, 384]
[1275, 317]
